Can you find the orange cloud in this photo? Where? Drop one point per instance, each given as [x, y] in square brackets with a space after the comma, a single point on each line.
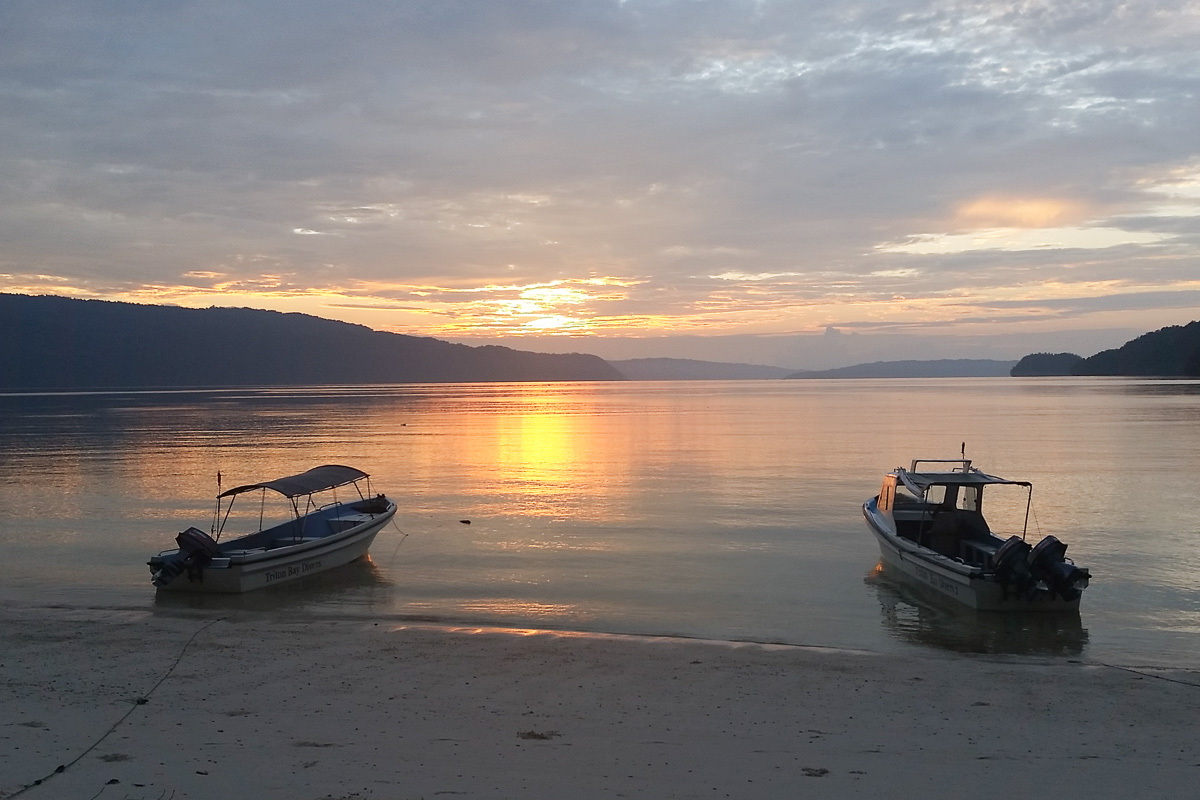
[1016, 212]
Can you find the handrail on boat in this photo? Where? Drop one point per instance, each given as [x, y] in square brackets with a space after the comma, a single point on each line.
[964, 462]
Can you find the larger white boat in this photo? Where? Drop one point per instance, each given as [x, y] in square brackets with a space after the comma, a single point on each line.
[930, 526]
[315, 539]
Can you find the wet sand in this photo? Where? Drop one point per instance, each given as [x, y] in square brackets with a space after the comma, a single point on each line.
[152, 705]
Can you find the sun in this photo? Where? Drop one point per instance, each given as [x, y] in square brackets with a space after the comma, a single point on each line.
[553, 322]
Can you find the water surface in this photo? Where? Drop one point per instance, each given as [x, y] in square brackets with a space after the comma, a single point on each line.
[713, 509]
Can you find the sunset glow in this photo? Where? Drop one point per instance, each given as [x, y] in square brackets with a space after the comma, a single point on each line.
[685, 171]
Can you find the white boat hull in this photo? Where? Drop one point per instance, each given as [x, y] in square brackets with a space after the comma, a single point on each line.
[251, 570]
[966, 584]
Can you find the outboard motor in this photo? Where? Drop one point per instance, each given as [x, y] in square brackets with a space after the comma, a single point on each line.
[1010, 562]
[1048, 562]
[196, 548]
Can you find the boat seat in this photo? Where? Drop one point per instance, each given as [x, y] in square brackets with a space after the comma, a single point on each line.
[973, 525]
[978, 552]
[952, 526]
[960, 523]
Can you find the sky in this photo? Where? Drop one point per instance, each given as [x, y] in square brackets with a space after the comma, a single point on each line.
[804, 184]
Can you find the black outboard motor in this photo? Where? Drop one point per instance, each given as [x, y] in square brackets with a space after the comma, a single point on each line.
[1011, 564]
[1047, 562]
[196, 548]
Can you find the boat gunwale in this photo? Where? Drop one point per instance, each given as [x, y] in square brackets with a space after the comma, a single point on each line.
[926, 554]
[297, 548]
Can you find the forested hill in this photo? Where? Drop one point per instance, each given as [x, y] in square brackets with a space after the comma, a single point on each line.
[62, 343]
[1167, 352]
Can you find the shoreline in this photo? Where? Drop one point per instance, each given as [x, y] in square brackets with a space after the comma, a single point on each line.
[249, 704]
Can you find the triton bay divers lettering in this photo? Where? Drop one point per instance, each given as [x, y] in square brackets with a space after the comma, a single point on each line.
[291, 571]
[936, 580]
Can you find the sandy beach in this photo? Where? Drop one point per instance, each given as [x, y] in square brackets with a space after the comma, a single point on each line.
[103, 704]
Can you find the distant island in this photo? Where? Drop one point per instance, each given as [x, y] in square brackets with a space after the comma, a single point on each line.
[686, 369]
[1045, 364]
[941, 368]
[58, 343]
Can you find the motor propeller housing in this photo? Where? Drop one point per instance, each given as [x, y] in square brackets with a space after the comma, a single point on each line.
[1048, 562]
[1011, 560]
[196, 548]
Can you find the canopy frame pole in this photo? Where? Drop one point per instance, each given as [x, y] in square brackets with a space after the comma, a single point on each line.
[221, 526]
[212, 529]
[1028, 505]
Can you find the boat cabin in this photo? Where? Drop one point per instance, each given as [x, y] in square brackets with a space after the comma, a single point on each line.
[942, 510]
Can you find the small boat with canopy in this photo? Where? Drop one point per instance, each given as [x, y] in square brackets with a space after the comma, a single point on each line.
[316, 538]
[930, 526]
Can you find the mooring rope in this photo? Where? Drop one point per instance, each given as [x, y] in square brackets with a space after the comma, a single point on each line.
[141, 701]
[403, 536]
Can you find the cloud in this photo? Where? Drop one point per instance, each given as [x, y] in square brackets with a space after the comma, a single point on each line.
[732, 166]
[1018, 212]
[1024, 239]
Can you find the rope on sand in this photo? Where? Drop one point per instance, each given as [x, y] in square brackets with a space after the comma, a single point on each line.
[141, 701]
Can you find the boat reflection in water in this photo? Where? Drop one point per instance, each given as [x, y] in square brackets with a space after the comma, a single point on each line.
[354, 585]
[922, 617]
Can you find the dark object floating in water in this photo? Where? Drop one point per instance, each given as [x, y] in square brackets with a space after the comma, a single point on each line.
[537, 735]
[465, 521]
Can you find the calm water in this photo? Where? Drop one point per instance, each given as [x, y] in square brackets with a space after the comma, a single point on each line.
[725, 510]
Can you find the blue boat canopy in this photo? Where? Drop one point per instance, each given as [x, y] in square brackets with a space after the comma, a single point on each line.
[317, 479]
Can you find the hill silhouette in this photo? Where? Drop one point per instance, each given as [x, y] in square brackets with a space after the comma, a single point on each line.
[1045, 364]
[688, 369]
[1167, 353]
[62, 343]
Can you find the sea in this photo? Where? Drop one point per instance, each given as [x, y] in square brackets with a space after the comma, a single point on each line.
[714, 510]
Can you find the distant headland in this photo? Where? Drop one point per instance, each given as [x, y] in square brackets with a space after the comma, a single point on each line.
[1172, 352]
[58, 343]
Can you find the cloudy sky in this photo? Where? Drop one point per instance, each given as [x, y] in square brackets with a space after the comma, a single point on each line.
[731, 179]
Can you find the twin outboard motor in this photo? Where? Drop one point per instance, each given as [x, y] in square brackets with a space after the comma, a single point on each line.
[1019, 564]
[1011, 561]
[1047, 562]
[196, 548]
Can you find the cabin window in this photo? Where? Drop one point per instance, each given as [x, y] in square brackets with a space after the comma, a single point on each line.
[970, 498]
